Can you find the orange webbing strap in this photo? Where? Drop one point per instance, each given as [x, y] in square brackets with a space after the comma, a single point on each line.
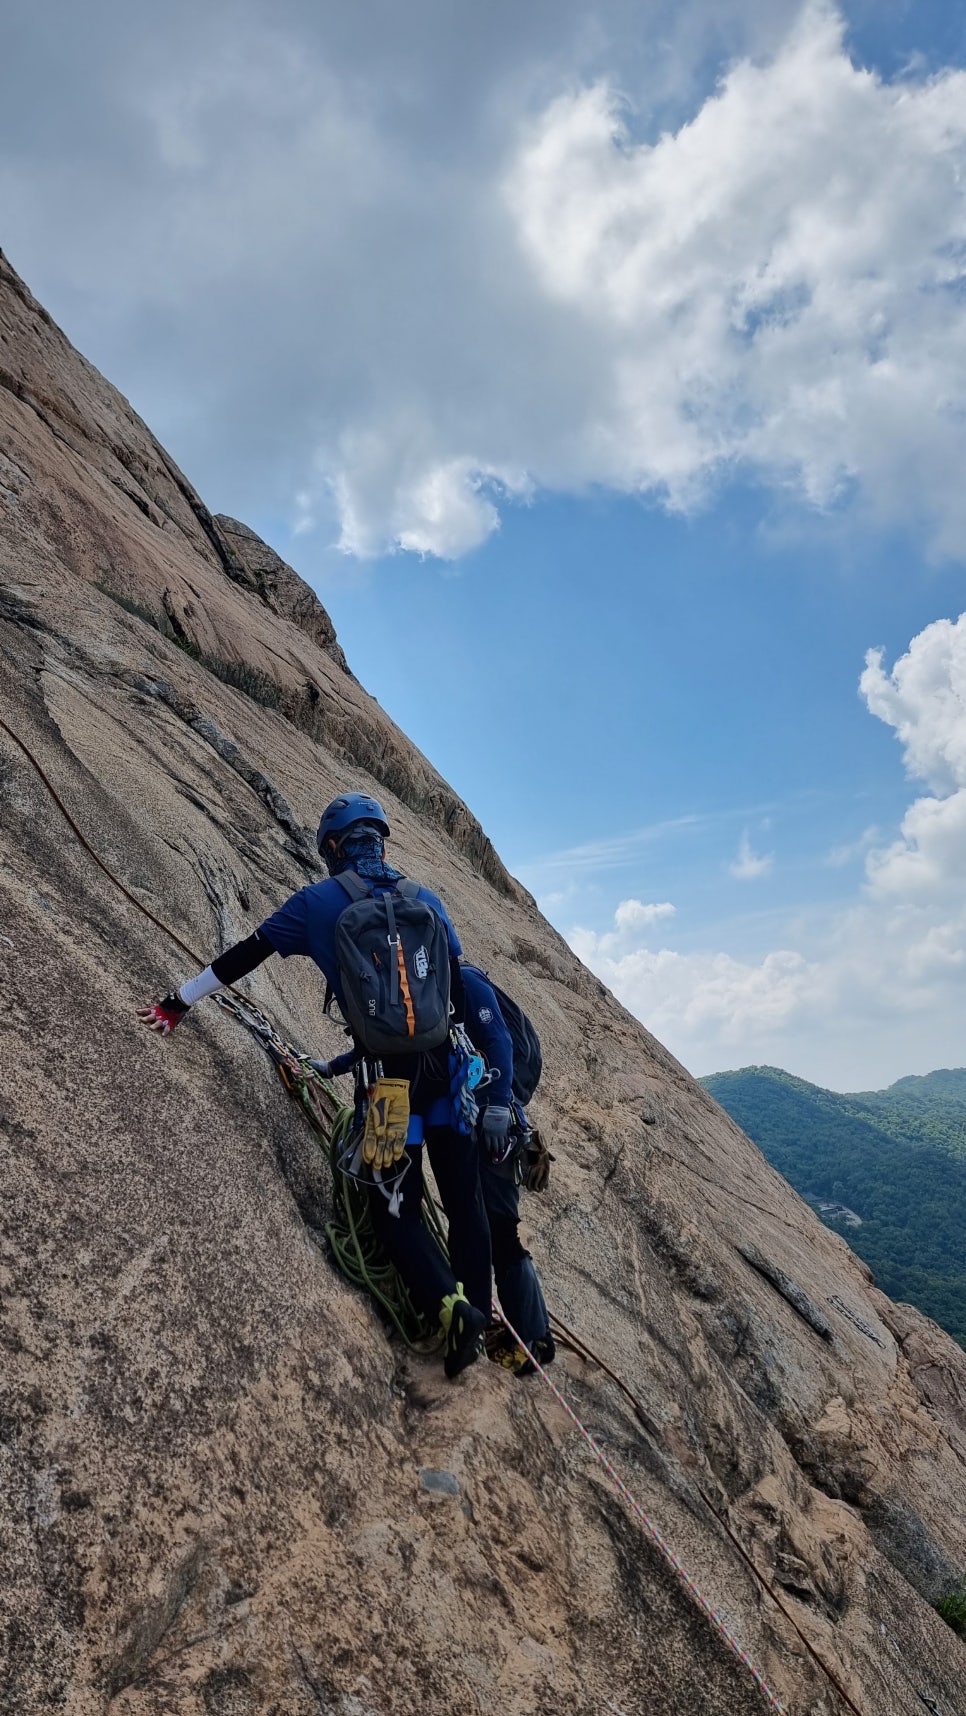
[400, 977]
[406, 995]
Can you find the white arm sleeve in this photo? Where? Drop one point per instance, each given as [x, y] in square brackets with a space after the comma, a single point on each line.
[206, 983]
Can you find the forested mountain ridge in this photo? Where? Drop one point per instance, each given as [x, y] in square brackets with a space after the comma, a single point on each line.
[895, 1157]
[927, 1109]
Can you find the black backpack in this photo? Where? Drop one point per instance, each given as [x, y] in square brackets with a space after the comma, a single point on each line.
[527, 1053]
[393, 954]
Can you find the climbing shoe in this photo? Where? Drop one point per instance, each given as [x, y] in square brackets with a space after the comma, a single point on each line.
[545, 1349]
[517, 1360]
[464, 1327]
[495, 1337]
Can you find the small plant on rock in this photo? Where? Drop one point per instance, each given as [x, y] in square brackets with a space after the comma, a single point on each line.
[140, 612]
[952, 1608]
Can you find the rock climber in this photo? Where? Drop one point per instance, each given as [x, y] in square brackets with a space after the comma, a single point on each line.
[503, 1133]
[412, 1100]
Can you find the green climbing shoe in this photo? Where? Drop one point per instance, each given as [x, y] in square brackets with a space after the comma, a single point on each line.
[464, 1327]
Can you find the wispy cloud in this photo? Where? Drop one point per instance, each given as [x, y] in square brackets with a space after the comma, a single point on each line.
[852, 849]
[749, 865]
[609, 854]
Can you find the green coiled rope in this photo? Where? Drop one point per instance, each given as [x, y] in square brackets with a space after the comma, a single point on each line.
[353, 1242]
[358, 1254]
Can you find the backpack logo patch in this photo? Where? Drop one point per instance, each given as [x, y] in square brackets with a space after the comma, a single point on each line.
[421, 962]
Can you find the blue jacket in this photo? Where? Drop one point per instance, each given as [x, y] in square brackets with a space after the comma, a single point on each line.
[487, 1032]
[306, 924]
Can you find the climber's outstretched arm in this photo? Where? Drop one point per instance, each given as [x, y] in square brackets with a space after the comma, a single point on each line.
[234, 963]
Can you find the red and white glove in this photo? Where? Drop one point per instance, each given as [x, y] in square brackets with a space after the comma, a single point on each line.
[162, 1016]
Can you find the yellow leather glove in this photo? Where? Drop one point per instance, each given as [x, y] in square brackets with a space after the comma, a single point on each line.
[387, 1122]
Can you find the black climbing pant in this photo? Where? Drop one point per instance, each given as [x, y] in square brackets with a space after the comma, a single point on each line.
[517, 1281]
[455, 1163]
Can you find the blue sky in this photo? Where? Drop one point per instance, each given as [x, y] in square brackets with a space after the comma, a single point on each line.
[605, 375]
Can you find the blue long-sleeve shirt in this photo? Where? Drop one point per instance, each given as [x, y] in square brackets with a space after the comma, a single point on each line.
[306, 924]
[487, 1031]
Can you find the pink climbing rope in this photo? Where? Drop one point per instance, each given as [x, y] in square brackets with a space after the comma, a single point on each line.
[652, 1530]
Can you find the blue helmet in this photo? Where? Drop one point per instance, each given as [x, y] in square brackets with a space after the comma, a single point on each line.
[343, 812]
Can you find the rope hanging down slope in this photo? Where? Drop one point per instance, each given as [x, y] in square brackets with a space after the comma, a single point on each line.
[303, 1083]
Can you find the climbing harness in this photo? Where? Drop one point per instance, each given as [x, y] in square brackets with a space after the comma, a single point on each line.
[359, 1258]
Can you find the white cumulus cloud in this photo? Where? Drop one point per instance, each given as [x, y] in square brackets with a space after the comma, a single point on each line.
[688, 998]
[777, 285]
[631, 919]
[635, 915]
[923, 698]
[866, 991]
[774, 288]
[386, 281]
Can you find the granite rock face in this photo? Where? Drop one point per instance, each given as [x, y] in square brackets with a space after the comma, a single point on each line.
[223, 1487]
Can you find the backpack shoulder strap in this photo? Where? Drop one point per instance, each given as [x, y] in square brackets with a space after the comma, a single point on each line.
[407, 888]
[356, 886]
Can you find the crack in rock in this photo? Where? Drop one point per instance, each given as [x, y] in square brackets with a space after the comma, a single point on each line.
[300, 842]
[789, 1290]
